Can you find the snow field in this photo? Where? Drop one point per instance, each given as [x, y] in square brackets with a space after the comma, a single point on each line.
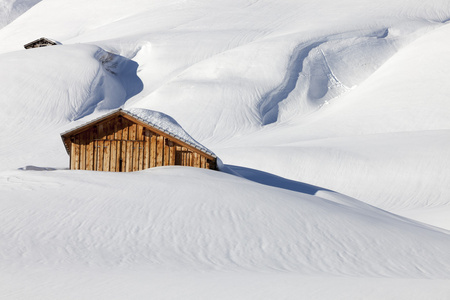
[225, 223]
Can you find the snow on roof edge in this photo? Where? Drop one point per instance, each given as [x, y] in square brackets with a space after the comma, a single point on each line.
[43, 38]
[91, 121]
[196, 145]
[192, 143]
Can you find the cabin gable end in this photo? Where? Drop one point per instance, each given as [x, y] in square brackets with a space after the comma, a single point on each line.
[121, 143]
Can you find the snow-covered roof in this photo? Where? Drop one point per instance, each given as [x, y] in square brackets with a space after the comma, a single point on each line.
[166, 124]
[157, 120]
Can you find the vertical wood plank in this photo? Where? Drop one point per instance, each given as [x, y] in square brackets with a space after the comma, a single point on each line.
[202, 162]
[153, 146]
[72, 155]
[195, 158]
[141, 156]
[184, 157]
[123, 155]
[100, 144]
[135, 156]
[95, 132]
[83, 150]
[106, 155]
[188, 157]
[95, 165]
[146, 149]
[178, 156]
[112, 166]
[90, 150]
[160, 151]
[132, 132]
[77, 153]
[129, 157]
[166, 152]
[111, 125]
[139, 132]
[172, 154]
[118, 152]
[118, 129]
[106, 126]
[96, 155]
[101, 131]
[125, 129]
[190, 162]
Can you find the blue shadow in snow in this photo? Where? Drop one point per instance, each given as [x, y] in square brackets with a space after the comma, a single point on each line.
[272, 180]
[119, 70]
[268, 107]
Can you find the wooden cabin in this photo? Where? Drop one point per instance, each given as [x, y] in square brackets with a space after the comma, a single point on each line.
[42, 42]
[123, 141]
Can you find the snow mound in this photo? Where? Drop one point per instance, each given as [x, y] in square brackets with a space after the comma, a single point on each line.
[62, 83]
[44, 89]
[57, 219]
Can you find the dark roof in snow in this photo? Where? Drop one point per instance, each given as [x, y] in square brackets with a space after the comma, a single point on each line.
[42, 40]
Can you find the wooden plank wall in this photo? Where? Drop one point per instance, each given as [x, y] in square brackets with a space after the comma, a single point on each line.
[119, 145]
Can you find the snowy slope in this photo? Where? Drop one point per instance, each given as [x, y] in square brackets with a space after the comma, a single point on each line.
[12, 9]
[46, 88]
[385, 142]
[297, 98]
[113, 223]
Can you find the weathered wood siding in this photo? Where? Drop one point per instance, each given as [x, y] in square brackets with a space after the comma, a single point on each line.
[120, 145]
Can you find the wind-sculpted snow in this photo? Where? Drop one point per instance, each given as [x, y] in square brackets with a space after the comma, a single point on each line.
[48, 87]
[62, 83]
[269, 103]
[156, 219]
[12, 9]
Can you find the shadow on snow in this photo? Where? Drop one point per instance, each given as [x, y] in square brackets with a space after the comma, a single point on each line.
[272, 180]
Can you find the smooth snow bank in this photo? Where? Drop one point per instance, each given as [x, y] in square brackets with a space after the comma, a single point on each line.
[397, 171]
[71, 219]
[43, 283]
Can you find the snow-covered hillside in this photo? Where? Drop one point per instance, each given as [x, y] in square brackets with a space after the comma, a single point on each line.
[330, 118]
[12, 9]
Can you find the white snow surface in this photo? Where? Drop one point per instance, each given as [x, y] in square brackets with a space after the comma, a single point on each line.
[330, 119]
[12, 9]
